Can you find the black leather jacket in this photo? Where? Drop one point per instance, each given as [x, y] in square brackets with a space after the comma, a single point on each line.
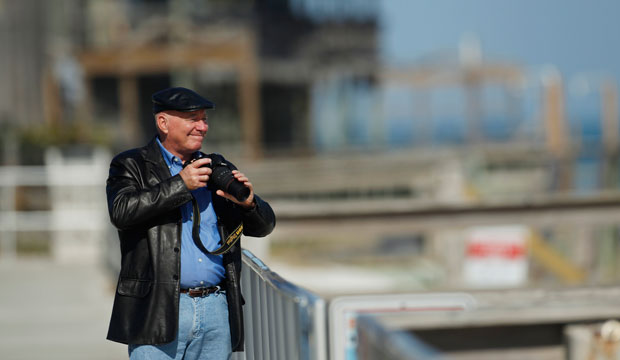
[143, 202]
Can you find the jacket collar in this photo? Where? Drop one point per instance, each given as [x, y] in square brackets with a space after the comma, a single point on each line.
[152, 154]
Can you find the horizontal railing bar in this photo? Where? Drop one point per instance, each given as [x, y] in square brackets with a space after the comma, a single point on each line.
[67, 175]
[57, 220]
[388, 209]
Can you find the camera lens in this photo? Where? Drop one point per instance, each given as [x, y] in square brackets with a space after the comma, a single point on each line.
[238, 190]
[223, 179]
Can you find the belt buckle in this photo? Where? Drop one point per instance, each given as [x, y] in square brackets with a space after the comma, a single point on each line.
[204, 291]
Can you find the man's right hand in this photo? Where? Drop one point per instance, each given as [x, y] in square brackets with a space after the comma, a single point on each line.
[196, 174]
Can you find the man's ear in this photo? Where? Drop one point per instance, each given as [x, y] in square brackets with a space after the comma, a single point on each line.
[162, 122]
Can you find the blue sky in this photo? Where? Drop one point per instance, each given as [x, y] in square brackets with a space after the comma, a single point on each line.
[576, 36]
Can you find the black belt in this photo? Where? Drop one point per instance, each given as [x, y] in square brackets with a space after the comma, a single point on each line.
[202, 291]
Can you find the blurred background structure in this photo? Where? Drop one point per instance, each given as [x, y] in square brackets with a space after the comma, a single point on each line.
[405, 146]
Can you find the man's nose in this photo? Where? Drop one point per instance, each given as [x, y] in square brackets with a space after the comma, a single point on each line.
[202, 126]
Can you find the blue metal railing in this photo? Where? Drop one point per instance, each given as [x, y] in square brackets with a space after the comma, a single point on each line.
[282, 321]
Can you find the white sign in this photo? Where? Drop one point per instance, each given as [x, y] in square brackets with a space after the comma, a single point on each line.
[496, 256]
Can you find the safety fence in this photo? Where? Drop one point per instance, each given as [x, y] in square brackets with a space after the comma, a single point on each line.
[63, 202]
[282, 321]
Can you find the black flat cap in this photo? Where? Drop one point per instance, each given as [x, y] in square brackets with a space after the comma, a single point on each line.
[180, 99]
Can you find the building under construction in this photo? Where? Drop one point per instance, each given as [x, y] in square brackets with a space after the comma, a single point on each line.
[288, 77]
[94, 64]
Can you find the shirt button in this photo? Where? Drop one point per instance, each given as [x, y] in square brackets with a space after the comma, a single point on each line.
[202, 283]
[199, 259]
[176, 249]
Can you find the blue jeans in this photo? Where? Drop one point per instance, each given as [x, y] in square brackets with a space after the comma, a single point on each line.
[204, 332]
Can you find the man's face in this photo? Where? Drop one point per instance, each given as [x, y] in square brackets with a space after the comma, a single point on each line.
[183, 131]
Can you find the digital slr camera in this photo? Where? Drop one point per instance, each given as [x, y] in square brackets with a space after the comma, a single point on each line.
[221, 176]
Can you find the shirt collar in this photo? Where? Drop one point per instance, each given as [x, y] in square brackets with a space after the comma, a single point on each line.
[168, 156]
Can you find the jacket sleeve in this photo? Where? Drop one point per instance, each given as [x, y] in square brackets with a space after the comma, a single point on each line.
[259, 221]
[132, 201]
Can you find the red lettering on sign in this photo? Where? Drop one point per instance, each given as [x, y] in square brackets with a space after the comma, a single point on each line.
[509, 251]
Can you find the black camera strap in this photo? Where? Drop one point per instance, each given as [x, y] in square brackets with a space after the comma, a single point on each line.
[227, 244]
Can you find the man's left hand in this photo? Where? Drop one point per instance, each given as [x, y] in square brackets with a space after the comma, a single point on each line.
[249, 202]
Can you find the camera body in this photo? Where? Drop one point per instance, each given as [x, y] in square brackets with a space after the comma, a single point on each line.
[221, 176]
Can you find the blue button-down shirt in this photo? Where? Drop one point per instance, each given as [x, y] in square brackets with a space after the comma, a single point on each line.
[197, 268]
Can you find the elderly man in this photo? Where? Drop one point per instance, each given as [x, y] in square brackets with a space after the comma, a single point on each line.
[178, 294]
